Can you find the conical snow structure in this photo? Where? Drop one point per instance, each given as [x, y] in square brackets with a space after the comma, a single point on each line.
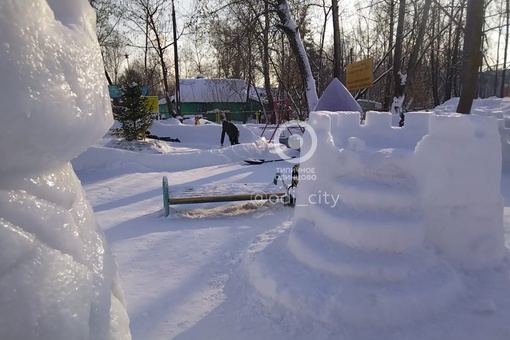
[337, 98]
[58, 278]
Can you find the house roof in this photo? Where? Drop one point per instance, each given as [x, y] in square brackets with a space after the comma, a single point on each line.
[203, 90]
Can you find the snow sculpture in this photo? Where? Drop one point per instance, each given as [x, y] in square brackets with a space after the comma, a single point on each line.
[381, 234]
[337, 98]
[58, 280]
[464, 221]
[362, 243]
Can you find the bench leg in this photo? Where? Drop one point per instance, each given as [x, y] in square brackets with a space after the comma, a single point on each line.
[166, 203]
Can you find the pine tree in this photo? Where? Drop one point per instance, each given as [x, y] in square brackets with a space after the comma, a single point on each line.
[132, 113]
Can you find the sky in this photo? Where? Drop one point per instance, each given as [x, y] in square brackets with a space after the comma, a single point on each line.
[397, 233]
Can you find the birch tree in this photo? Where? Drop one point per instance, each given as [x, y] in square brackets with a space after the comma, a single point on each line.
[404, 76]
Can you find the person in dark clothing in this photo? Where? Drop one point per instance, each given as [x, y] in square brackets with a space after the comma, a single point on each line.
[231, 130]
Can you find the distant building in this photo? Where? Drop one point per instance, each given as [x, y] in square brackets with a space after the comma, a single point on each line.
[489, 84]
[210, 97]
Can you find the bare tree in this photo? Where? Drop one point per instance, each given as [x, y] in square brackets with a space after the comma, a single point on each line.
[502, 92]
[114, 51]
[288, 26]
[108, 17]
[152, 19]
[336, 39]
[472, 55]
[403, 77]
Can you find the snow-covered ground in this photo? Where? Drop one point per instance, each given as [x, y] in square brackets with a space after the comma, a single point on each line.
[396, 233]
[241, 270]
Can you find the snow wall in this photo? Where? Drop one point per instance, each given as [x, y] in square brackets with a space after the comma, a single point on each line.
[388, 218]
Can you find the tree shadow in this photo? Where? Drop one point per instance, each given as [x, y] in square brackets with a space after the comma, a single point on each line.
[201, 286]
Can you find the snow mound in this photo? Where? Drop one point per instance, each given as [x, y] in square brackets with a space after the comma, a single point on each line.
[148, 146]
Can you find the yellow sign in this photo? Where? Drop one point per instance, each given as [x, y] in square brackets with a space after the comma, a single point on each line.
[359, 75]
[153, 103]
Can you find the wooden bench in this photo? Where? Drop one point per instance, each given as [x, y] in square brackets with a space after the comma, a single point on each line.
[228, 192]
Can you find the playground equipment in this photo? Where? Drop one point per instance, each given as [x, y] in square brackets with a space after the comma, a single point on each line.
[281, 114]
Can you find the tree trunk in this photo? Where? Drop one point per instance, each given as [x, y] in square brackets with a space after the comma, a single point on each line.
[176, 61]
[472, 56]
[265, 62]
[387, 84]
[434, 62]
[336, 40]
[398, 99]
[108, 77]
[456, 52]
[496, 68]
[449, 60]
[503, 75]
[291, 31]
[403, 79]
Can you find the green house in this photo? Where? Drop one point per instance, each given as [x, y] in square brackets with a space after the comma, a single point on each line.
[211, 97]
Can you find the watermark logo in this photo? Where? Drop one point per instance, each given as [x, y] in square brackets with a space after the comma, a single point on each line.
[301, 174]
[271, 198]
[319, 198]
[295, 142]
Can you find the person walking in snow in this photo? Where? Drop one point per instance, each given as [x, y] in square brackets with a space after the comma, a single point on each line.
[231, 130]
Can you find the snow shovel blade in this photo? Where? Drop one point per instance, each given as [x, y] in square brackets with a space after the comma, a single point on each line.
[260, 161]
[254, 161]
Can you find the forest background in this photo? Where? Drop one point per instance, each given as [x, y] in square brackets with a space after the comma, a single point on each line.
[422, 40]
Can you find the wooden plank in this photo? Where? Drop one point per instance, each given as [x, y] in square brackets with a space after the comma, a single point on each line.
[225, 192]
[225, 198]
[223, 189]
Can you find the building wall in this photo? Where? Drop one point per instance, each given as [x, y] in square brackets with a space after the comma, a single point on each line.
[489, 84]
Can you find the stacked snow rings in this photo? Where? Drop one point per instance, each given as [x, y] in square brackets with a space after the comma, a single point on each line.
[362, 242]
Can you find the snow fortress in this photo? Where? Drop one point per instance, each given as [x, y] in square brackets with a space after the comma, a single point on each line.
[392, 217]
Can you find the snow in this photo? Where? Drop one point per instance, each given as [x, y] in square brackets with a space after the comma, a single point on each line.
[337, 98]
[57, 275]
[397, 233]
[407, 241]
